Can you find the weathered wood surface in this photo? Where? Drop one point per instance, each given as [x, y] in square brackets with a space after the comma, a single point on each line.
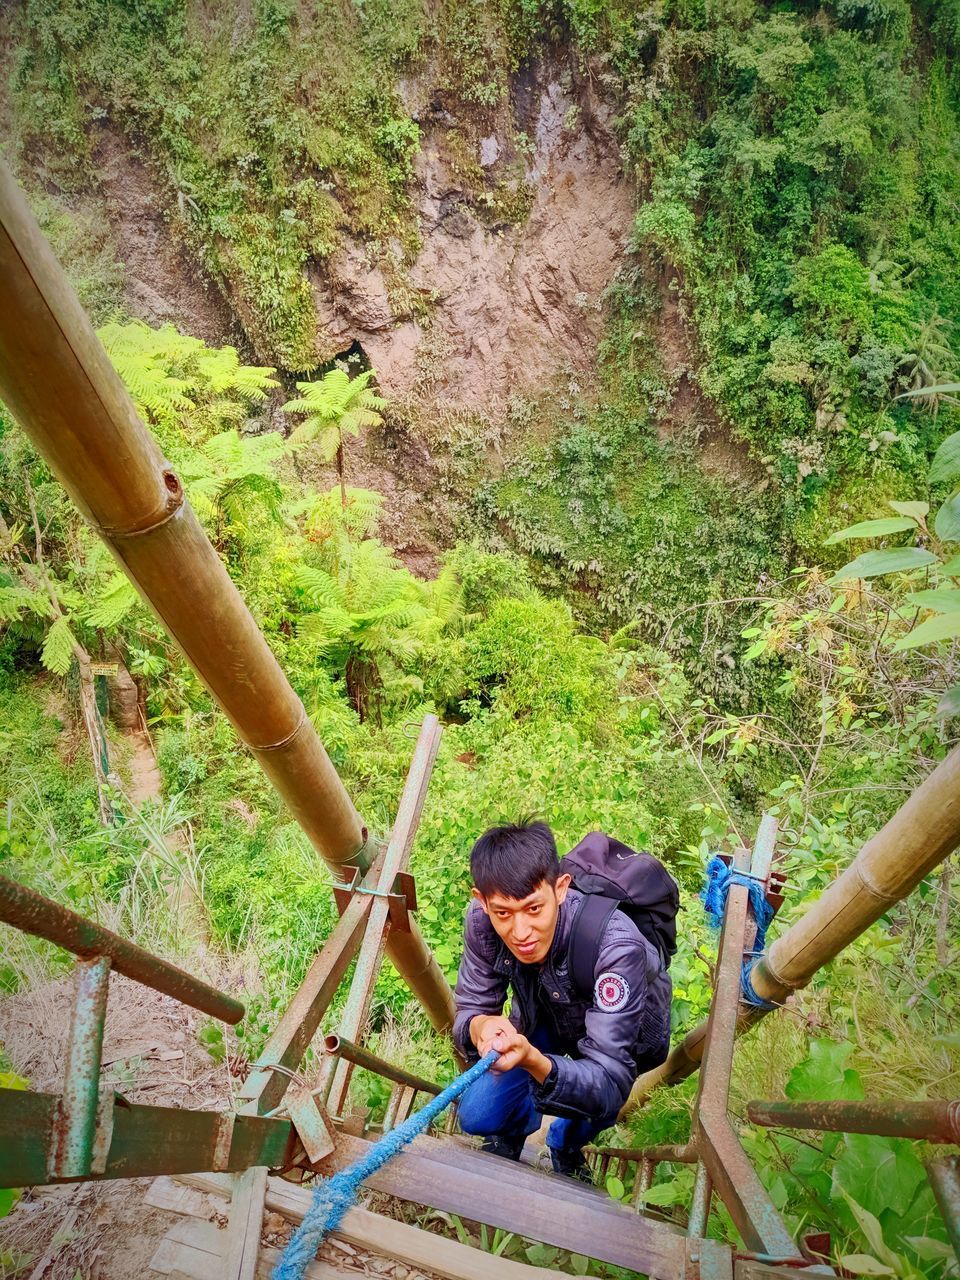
[626, 1240]
[524, 1176]
[299, 1023]
[374, 1233]
[246, 1223]
[195, 1250]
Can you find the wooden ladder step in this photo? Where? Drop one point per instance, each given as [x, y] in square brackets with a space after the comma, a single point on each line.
[197, 1250]
[610, 1234]
[374, 1233]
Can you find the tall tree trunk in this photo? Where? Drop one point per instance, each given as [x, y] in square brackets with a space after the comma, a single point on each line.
[95, 732]
[343, 484]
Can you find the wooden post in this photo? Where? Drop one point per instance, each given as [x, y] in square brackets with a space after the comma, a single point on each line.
[246, 1223]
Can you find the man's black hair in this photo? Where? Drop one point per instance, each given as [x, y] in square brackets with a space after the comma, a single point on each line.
[513, 860]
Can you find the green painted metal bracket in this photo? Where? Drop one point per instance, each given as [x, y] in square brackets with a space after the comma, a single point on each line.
[143, 1141]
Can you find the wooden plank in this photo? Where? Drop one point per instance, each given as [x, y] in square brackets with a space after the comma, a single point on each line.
[620, 1237]
[176, 1197]
[337, 1072]
[748, 1269]
[192, 1247]
[520, 1175]
[376, 1234]
[626, 1240]
[246, 1224]
[298, 1025]
[196, 1250]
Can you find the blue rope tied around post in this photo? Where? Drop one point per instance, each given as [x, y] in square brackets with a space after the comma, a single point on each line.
[714, 898]
[334, 1196]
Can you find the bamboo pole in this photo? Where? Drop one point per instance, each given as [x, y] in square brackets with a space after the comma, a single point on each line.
[58, 381]
[923, 831]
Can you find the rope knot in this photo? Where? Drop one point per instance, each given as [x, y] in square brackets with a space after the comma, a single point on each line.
[714, 898]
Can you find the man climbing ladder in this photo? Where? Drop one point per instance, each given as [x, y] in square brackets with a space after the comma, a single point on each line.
[591, 993]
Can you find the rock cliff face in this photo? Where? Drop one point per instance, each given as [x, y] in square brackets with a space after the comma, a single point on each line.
[506, 305]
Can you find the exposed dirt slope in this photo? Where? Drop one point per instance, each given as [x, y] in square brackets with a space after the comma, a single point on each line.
[508, 304]
[163, 285]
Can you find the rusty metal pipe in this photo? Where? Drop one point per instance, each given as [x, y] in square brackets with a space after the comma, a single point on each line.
[57, 379]
[75, 1125]
[944, 1178]
[29, 911]
[338, 1047]
[931, 1121]
[923, 831]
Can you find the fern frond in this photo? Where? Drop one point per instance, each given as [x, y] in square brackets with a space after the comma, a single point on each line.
[318, 587]
[15, 600]
[326, 626]
[57, 651]
[114, 604]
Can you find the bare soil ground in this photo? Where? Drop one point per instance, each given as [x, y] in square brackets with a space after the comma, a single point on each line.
[111, 1230]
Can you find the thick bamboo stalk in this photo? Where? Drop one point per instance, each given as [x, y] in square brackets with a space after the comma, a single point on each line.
[57, 379]
[923, 831]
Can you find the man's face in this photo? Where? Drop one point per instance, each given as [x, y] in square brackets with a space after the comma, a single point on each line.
[527, 925]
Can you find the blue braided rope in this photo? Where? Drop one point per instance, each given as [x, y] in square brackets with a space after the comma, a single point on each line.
[714, 898]
[334, 1196]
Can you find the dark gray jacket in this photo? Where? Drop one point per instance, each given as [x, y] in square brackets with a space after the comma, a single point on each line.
[622, 1032]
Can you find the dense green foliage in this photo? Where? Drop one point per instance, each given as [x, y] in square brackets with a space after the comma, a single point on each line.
[615, 635]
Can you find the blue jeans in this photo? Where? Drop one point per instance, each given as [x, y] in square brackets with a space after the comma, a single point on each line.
[500, 1105]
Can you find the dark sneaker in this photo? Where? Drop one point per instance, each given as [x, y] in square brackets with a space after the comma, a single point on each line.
[571, 1164]
[497, 1145]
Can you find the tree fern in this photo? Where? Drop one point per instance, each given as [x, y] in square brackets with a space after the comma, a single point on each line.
[183, 387]
[335, 406]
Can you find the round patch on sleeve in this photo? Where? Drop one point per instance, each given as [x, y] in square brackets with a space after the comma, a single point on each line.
[611, 991]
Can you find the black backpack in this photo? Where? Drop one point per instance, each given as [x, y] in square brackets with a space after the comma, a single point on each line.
[615, 877]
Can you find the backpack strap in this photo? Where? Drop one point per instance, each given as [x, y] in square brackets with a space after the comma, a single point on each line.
[588, 931]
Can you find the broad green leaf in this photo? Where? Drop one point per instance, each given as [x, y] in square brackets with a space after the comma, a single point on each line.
[946, 461]
[541, 1255]
[8, 1198]
[868, 1223]
[664, 1193]
[755, 650]
[861, 1264]
[878, 1174]
[873, 529]
[929, 1249]
[940, 599]
[873, 564]
[947, 523]
[952, 568]
[915, 510]
[615, 1188]
[822, 1075]
[58, 648]
[944, 627]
